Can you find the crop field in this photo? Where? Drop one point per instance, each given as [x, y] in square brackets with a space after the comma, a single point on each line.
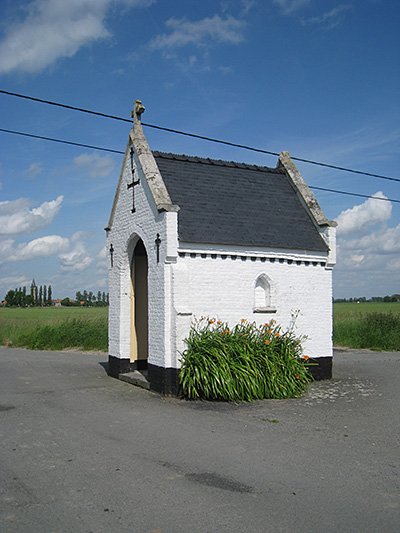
[54, 328]
[348, 310]
[367, 325]
[363, 325]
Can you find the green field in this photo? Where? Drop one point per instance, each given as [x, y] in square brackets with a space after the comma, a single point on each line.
[54, 328]
[342, 311]
[367, 325]
[363, 325]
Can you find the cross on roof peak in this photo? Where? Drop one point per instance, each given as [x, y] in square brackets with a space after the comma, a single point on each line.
[138, 109]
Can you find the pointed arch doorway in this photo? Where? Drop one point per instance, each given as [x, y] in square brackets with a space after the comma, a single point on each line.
[139, 307]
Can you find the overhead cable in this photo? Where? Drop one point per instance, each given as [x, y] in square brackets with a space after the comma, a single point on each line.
[61, 141]
[102, 149]
[197, 136]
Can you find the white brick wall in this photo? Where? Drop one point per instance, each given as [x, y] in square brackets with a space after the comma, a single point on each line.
[224, 289]
[126, 229]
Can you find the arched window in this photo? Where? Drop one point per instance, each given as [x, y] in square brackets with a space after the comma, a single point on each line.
[263, 298]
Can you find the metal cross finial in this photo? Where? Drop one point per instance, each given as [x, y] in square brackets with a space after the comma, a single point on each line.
[131, 154]
[132, 185]
[158, 242]
[112, 255]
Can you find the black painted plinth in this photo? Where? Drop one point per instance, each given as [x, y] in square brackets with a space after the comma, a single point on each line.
[163, 380]
[118, 366]
[322, 368]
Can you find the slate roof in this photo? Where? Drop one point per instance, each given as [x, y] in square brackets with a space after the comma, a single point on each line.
[223, 202]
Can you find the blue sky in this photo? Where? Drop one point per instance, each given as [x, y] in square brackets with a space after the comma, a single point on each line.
[318, 78]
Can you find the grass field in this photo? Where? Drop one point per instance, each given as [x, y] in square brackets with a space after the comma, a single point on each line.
[54, 328]
[367, 325]
[364, 325]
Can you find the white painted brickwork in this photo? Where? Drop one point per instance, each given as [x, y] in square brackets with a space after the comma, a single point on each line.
[126, 229]
[225, 289]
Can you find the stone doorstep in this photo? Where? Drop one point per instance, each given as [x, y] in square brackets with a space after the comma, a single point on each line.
[135, 378]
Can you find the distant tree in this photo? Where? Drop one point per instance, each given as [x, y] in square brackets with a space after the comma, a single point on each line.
[90, 297]
[108, 299]
[10, 298]
[66, 301]
[24, 297]
[40, 299]
[19, 296]
[79, 297]
[85, 296]
[99, 297]
[44, 295]
[49, 296]
[103, 298]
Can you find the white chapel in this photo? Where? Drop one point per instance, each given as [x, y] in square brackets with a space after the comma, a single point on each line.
[191, 237]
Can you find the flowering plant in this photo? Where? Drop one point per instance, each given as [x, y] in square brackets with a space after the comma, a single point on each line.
[242, 363]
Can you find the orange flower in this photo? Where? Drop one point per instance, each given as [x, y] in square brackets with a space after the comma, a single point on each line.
[219, 322]
[277, 334]
[211, 320]
[243, 321]
[267, 342]
[306, 357]
[297, 376]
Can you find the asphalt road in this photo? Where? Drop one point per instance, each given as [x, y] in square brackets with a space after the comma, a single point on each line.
[83, 452]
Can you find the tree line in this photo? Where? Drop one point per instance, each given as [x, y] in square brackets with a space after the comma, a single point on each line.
[36, 297]
[386, 299]
[88, 298]
[41, 296]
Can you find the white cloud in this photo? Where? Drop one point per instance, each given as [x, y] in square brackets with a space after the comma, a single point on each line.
[361, 216]
[76, 259]
[97, 166]
[16, 217]
[41, 247]
[14, 281]
[102, 260]
[184, 32]
[34, 169]
[384, 241]
[330, 18]
[289, 6]
[54, 29]
[71, 251]
[367, 251]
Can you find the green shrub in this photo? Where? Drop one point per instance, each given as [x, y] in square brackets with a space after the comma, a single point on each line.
[377, 331]
[242, 364]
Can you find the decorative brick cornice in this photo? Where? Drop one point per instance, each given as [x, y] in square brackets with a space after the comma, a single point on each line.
[252, 258]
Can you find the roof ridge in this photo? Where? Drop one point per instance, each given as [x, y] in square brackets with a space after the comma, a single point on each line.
[217, 162]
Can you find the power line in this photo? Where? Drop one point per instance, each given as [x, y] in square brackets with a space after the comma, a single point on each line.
[197, 136]
[65, 106]
[102, 149]
[61, 141]
[354, 194]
